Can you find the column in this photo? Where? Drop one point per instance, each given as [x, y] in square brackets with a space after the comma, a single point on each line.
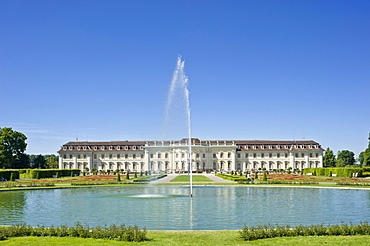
[233, 160]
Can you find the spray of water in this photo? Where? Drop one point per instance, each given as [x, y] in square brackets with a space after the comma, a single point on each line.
[178, 88]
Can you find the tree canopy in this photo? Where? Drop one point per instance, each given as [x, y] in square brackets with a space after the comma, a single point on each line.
[364, 156]
[12, 146]
[345, 158]
[329, 158]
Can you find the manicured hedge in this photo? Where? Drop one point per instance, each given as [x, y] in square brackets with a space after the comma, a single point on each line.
[8, 172]
[339, 171]
[49, 173]
[232, 177]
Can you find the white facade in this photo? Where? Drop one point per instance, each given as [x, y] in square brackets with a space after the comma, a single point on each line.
[173, 156]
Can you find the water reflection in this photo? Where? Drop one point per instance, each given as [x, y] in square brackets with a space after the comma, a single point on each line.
[171, 208]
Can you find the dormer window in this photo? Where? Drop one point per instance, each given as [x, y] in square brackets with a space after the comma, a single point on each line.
[126, 147]
[95, 147]
[79, 147]
[262, 146]
[254, 147]
[141, 147]
[118, 147]
[278, 147]
[246, 147]
[70, 147]
[102, 147]
[286, 146]
[64, 147]
[134, 147]
[110, 147]
[85, 147]
[302, 146]
[270, 147]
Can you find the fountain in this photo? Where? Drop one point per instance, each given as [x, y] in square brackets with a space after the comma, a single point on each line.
[179, 86]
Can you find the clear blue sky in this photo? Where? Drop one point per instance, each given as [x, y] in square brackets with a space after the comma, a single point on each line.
[269, 70]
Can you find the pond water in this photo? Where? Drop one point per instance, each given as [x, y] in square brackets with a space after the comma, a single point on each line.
[171, 208]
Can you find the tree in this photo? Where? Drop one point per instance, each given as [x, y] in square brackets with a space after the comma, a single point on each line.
[364, 156]
[52, 161]
[329, 158]
[39, 161]
[12, 145]
[345, 158]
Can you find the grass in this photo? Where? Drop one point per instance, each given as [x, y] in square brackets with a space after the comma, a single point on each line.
[186, 178]
[174, 238]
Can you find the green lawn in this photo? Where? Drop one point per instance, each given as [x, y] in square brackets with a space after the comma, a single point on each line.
[174, 238]
[186, 178]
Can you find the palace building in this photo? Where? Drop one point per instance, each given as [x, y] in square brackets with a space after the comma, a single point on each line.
[206, 155]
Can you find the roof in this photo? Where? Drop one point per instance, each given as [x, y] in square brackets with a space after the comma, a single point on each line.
[267, 145]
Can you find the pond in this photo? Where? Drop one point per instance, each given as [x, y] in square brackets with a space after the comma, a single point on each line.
[171, 208]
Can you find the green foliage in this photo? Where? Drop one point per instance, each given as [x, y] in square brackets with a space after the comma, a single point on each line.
[345, 158]
[118, 177]
[113, 232]
[264, 176]
[7, 174]
[12, 145]
[340, 172]
[232, 177]
[12, 177]
[256, 176]
[127, 175]
[146, 179]
[135, 175]
[270, 231]
[49, 173]
[329, 158]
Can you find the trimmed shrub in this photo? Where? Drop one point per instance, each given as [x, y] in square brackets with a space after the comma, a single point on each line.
[7, 173]
[344, 172]
[118, 177]
[49, 173]
[264, 176]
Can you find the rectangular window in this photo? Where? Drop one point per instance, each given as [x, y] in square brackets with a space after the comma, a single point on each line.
[278, 155]
[166, 155]
[317, 154]
[246, 155]
[296, 154]
[238, 155]
[118, 156]
[177, 155]
[126, 156]
[254, 155]
[262, 155]
[214, 155]
[310, 154]
[78, 156]
[151, 155]
[142, 156]
[182, 155]
[110, 156]
[102, 156]
[228, 155]
[70, 156]
[197, 155]
[270, 155]
[302, 155]
[204, 155]
[286, 155]
[159, 155]
[65, 156]
[95, 156]
[134, 156]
